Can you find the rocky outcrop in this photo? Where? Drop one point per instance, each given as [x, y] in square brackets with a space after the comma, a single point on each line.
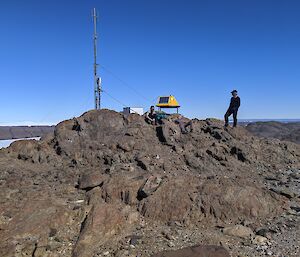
[102, 178]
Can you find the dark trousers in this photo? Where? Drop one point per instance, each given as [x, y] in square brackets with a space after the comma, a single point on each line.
[183, 125]
[230, 112]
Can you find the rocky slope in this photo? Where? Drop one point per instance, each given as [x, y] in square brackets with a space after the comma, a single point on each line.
[273, 129]
[107, 185]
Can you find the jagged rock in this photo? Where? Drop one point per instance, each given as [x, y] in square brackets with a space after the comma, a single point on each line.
[285, 192]
[122, 189]
[91, 180]
[169, 202]
[169, 132]
[196, 251]
[224, 199]
[149, 187]
[102, 223]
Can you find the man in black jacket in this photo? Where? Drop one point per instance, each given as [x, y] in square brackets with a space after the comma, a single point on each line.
[150, 116]
[235, 103]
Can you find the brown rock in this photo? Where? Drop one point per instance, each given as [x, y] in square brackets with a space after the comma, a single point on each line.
[150, 186]
[102, 223]
[259, 240]
[238, 231]
[170, 202]
[122, 189]
[225, 198]
[170, 132]
[33, 224]
[182, 198]
[90, 180]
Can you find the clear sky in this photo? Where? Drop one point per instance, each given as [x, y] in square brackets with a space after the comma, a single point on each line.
[198, 50]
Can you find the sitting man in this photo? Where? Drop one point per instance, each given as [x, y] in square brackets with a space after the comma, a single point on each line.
[150, 116]
[183, 123]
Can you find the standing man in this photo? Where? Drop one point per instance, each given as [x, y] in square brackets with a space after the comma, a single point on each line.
[234, 106]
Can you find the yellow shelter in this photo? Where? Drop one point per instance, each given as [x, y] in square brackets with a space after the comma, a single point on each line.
[167, 102]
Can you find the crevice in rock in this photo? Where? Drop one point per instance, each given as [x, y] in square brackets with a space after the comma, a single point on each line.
[82, 225]
[141, 164]
[239, 153]
[34, 250]
[58, 149]
[76, 126]
[218, 158]
[214, 133]
[125, 197]
[87, 189]
[141, 195]
[160, 134]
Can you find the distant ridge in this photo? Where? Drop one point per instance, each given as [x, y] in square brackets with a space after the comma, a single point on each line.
[269, 120]
[16, 132]
[288, 131]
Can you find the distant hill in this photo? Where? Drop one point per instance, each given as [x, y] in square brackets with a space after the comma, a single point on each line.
[15, 132]
[274, 129]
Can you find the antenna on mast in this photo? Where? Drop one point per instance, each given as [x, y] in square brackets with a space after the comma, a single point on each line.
[97, 80]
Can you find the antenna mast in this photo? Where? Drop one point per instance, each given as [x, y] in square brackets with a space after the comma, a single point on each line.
[97, 80]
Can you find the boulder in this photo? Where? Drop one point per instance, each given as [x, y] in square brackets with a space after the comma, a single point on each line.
[103, 222]
[170, 202]
[150, 186]
[259, 240]
[228, 200]
[91, 180]
[169, 133]
[238, 231]
[187, 197]
[122, 189]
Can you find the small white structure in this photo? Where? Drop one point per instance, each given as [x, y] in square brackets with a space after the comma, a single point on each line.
[128, 110]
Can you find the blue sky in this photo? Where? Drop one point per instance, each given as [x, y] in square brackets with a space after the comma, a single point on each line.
[198, 50]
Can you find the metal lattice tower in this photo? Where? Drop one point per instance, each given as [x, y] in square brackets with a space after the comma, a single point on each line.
[97, 80]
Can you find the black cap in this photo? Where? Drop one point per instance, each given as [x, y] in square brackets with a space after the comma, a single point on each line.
[234, 91]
